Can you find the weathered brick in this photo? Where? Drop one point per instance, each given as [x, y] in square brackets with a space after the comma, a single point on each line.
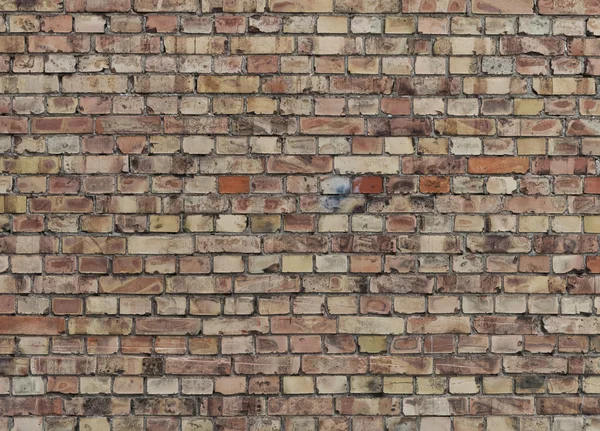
[561, 7]
[434, 6]
[498, 165]
[167, 326]
[488, 7]
[168, 6]
[368, 6]
[19, 325]
[296, 6]
[100, 326]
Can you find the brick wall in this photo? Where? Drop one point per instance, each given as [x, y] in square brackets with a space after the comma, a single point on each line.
[268, 215]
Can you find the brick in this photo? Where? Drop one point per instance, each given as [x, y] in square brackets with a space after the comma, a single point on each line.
[501, 406]
[168, 326]
[296, 6]
[128, 125]
[29, 84]
[511, 45]
[498, 165]
[299, 164]
[267, 365]
[169, 6]
[428, 6]
[37, 5]
[19, 325]
[521, 7]
[268, 45]
[327, 126]
[564, 86]
[369, 6]
[100, 326]
[257, 325]
[438, 406]
[70, 43]
[404, 366]
[128, 44]
[97, 6]
[560, 7]
[194, 45]
[236, 84]
[333, 365]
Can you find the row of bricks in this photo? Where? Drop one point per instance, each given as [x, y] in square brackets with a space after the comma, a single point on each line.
[326, 185]
[302, 305]
[185, 244]
[301, 185]
[488, 7]
[310, 364]
[188, 105]
[292, 385]
[309, 145]
[297, 84]
[322, 24]
[309, 204]
[513, 303]
[302, 405]
[232, 223]
[153, 285]
[297, 264]
[306, 105]
[303, 45]
[263, 423]
[296, 64]
[220, 264]
[577, 284]
[79, 43]
[388, 164]
[277, 125]
[343, 324]
[299, 344]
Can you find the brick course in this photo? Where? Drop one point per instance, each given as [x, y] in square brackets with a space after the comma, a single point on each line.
[310, 215]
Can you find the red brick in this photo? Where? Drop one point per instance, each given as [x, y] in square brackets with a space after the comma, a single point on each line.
[234, 185]
[19, 325]
[367, 185]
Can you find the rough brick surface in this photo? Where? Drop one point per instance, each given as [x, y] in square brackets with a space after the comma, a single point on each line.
[300, 215]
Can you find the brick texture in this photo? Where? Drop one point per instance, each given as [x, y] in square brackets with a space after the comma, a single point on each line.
[299, 215]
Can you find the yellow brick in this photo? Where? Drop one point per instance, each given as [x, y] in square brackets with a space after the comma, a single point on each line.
[297, 263]
[531, 146]
[164, 223]
[533, 224]
[528, 106]
[228, 84]
[13, 204]
[372, 344]
[31, 165]
[332, 24]
[298, 385]
[398, 385]
[591, 224]
[400, 25]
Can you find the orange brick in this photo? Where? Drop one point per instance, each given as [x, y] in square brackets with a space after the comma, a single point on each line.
[234, 185]
[434, 184]
[367, 185]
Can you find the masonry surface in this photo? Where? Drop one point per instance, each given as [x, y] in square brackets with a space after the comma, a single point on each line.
[299, 215]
